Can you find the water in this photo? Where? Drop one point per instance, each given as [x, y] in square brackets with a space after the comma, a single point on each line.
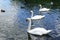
[13, 25]
[11, 21]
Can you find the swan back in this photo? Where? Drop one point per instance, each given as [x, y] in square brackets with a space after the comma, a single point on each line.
[39, 31]
[44, 9]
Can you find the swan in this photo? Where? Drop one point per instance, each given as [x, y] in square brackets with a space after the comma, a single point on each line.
[36, 16]
[43, 9]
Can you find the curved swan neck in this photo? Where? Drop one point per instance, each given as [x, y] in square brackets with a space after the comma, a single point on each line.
[29, 26]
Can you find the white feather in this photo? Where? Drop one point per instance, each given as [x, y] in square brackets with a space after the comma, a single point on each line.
[39, 31]
[44, 9]
[37, 17]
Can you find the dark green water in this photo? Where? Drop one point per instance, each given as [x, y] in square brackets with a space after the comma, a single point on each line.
[13, 23]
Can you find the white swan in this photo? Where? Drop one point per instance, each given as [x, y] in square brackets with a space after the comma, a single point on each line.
[43, 9]
[36, 16]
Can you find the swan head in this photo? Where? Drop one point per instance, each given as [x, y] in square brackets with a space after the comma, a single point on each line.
[31, 11]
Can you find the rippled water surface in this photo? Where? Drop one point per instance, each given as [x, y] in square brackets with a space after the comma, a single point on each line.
[13, 23]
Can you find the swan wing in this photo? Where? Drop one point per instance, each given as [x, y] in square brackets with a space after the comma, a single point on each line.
[36, 17]
[44, 9]
[39, 31]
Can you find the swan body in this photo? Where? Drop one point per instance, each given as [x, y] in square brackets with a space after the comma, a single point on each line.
[44, 9]
[39, 31]
[37, 17]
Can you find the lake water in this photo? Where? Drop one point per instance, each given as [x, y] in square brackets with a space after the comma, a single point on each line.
[13, 25]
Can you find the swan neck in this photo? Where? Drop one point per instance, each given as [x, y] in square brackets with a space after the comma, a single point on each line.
[40, 6]
[29, 25]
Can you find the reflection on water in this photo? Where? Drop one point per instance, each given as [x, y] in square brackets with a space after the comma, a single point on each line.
[13, 23]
